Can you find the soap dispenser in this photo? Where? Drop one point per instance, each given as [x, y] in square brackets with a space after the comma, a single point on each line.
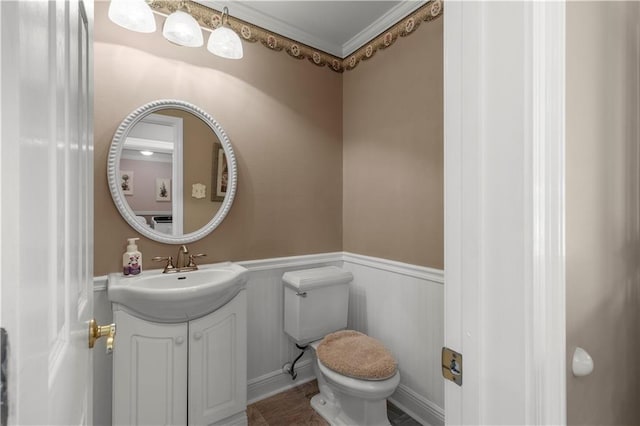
[132, 259]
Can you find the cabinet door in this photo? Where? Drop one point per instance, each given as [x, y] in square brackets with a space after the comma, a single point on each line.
[218, 363]
[149, 372]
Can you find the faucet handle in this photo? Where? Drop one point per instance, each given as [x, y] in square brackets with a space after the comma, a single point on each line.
[192, 264]
[169, 266]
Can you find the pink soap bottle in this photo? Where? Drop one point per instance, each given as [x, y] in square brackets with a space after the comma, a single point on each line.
[132, 259]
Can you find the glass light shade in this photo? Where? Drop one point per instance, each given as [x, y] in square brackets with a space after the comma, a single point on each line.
[225, 42]
[181, 28]
[134, 15]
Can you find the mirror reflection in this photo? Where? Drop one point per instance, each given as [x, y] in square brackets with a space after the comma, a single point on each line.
[172, 171]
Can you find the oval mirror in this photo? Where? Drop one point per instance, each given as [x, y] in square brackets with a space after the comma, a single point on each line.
[172, 172]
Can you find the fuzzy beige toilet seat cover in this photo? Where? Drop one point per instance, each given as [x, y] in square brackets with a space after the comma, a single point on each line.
[356, 355]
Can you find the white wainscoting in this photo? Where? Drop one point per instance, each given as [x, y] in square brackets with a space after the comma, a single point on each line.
[403, 306]
[400, 304]
[268, 345]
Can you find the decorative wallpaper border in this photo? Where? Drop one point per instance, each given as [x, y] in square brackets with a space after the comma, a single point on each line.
[427, 13]
[210, 19]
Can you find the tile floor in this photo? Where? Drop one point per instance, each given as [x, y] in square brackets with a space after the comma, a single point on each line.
[292, 408]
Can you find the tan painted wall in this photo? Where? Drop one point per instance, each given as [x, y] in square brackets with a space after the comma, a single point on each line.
[284, 119]
[603, 210]
[393, 152]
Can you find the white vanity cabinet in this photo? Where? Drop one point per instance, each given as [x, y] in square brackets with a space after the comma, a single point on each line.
[218, 363]
[191, 373]
[149, 372]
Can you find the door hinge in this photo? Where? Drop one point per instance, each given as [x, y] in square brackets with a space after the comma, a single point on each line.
[452, 366]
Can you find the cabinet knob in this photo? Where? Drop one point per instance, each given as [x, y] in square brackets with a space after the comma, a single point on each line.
[197, 335]
[179, 340]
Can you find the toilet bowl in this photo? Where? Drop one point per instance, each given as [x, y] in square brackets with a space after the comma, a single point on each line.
[315, 310]
[347, 401]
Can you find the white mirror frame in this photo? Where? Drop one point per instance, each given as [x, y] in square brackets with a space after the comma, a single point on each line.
[113, 171]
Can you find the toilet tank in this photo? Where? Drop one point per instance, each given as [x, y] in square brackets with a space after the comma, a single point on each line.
[316, 302]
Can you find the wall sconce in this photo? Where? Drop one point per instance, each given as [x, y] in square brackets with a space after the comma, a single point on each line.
[223, 41]
[181, 28]
[134, 15]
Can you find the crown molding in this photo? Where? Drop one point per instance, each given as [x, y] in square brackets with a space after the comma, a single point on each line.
[208, 17]
[249, 14]
[377, 27]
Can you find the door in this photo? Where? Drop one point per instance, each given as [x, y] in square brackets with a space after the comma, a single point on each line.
[46, 209]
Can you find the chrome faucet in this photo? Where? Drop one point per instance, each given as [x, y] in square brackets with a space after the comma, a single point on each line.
[184, 262]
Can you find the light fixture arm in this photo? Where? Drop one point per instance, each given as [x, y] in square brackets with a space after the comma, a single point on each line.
[225, 14]
[224, 41]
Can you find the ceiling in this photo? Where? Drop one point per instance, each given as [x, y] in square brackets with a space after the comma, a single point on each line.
[337, 27]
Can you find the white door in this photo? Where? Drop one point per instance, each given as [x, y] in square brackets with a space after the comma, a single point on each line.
[504, 211]
[46, 209]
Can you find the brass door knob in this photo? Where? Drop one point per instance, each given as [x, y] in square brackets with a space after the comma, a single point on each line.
[97, 331]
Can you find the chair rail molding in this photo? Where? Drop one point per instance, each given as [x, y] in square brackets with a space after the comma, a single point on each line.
[422, 272]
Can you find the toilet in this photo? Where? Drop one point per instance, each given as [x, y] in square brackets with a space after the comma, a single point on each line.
[355, 373]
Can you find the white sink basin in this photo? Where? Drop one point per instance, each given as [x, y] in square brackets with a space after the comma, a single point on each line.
[177, 297]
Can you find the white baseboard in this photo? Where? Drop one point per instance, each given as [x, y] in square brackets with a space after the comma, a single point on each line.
[239, 419]
[277, 381]
[418, 407]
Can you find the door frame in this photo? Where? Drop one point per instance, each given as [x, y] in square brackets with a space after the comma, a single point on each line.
[169, 127]
[504, 90]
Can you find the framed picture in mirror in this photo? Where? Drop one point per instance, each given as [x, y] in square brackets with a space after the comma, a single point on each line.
[163, 189]
[126, 182]
[220, 174]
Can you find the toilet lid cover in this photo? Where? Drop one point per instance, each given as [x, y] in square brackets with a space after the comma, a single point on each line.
[356, 355]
